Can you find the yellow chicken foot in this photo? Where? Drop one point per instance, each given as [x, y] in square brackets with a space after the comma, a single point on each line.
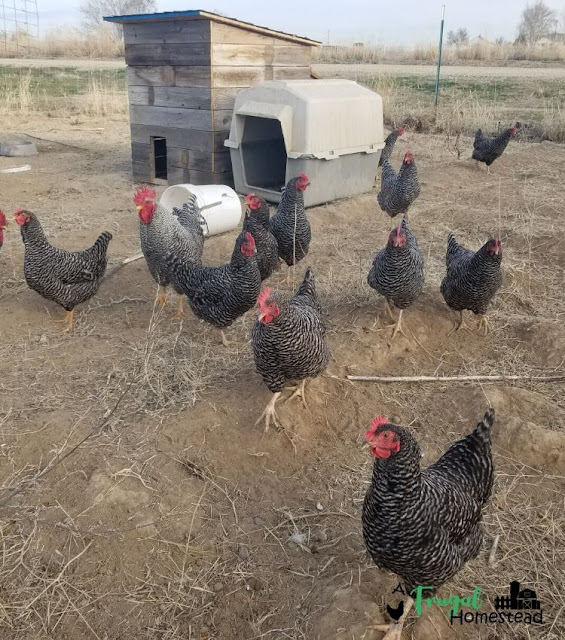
[299, 392]
[459, 325]
[488, 170]
[397, 326]
[180, 308]
[68, 321]
[389, 310]
[161, 296]
[394, 630]
[225, 341]
[270, 413]
[483, 324]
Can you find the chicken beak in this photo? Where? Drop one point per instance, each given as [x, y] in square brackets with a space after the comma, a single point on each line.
[261, 316]
[139, 207]
[3, 227]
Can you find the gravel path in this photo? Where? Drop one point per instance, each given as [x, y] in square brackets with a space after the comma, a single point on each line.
[351, 70]
[333, 70]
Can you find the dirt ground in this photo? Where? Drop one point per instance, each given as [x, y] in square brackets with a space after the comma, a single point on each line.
[178, 517]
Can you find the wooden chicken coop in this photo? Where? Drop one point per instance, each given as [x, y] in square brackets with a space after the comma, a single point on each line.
[184, 70]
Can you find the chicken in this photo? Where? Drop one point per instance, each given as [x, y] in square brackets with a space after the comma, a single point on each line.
[487, 150]
[219, 295]
[389, 144]
[472, 279]
[66, 277]
[398, 272]
[289, 225]
[3, 224]
[398, 191]
[257, 223]
[162, 231]
[289, 341]
[425, 524]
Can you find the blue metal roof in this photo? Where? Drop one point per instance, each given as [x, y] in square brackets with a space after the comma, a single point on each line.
[192, 14]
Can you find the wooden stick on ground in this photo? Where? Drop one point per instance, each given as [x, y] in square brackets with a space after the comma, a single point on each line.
[479, 378]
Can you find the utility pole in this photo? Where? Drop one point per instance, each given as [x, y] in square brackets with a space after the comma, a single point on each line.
[436, 96]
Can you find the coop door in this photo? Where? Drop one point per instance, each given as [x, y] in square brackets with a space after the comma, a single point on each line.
[159, 152]
[263, 153]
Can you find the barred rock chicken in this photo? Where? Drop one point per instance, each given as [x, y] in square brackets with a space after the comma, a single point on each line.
[3, 224]
[487, 150]
[289, 225]
[66, 277]
[219, 295]
[257, 223]
[398, 272]
[161, 232]
[425, 524]
[398, 191]
[389, 144]
[472, 279]
[289, 341]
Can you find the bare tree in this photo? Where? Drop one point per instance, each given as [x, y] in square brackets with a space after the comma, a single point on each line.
[461, 36]
[94, 10]
[538, 20]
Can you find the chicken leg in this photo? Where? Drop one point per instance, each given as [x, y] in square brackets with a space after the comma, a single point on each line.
[180, 308]
[161, 296]
[394, 630]
[299, 393]
[459, 325]
[270, 414]
[397, 326]
[483, 324]
[68, 321]
[389, 310]
[225, 341]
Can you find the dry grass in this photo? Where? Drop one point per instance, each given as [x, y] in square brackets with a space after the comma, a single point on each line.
[498, 54]
[65, 42]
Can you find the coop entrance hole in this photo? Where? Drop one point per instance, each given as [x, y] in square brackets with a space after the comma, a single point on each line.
[160, 157]
[263, 153]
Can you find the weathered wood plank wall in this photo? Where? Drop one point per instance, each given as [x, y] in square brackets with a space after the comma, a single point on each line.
[183, 77]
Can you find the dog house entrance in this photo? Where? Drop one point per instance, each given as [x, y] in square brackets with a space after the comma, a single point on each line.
[159, 151]
[263, 153]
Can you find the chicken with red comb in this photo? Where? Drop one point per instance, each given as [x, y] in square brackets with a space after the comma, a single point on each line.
[290, 225]
[425, 524]
[219, 295]
[289, 342]
[162, 231]
[257, 222]
[65, 277]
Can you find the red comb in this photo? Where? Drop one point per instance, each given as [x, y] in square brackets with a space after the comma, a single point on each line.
[264, 295]
[400, 131]
[303, 176]
[143, 194]
[250, 238]
[377, 422]
[249, 197]
[18, 211]
[2, 217]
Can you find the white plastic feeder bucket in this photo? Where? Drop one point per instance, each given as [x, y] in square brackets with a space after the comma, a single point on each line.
[219, 205]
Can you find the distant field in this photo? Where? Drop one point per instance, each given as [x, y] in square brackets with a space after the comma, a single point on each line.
[470, 97]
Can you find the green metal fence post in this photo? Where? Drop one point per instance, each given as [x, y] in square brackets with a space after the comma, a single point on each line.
[436, 96]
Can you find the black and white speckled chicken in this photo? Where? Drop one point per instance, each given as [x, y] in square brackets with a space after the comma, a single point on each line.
[472, 280]
[161, 232]
[389, 145]
[289, 225]
[289, 341]
[398, 272]
[425, 524]
[399, 190]
[65, 277]
[487, 150]
[219, 295]
[257, 222]
[3, 224]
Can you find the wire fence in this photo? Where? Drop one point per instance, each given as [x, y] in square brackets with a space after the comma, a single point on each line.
[19, 32]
